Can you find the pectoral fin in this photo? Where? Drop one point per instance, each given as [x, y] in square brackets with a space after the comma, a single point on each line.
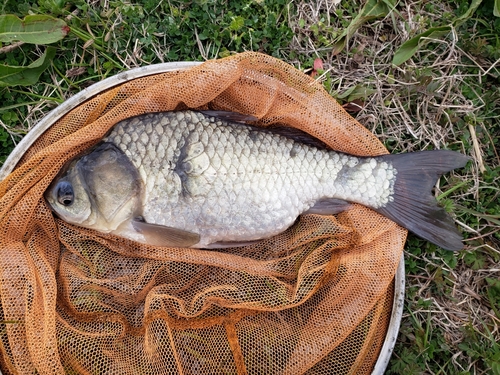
[230, 244]
[159, 235]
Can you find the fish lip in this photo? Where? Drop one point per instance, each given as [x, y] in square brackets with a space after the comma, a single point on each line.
[50, 194]
[49, 198]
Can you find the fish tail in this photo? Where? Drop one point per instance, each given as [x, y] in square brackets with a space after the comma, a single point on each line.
[412, 205]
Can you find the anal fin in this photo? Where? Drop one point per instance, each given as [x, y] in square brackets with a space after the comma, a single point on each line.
[328, 206]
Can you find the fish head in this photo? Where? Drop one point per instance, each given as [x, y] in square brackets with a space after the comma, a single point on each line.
[69, 199]
[100, 190]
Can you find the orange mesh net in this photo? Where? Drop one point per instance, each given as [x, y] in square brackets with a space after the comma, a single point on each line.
[315, 299]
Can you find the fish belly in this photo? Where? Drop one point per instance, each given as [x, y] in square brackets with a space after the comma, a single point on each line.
[231, 182]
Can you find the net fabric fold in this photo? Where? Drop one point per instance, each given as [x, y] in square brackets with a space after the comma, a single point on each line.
[315, 299]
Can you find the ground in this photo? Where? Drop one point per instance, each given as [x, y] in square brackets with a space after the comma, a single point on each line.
[419, 74]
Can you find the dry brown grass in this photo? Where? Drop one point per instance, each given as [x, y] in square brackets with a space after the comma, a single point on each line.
[417, 106]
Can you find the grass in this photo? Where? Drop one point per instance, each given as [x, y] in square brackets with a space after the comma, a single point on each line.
[446, 95]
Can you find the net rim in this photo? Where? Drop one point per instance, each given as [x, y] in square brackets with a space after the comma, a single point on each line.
[395, 321]
[55, 114]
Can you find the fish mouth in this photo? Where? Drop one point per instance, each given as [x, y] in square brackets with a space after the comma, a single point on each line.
[49, 197]
[51, 192]
[79, 211]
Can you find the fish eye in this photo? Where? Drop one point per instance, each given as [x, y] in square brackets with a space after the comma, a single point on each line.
[65, 194]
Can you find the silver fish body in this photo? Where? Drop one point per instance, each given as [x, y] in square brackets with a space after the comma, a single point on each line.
[190, 179]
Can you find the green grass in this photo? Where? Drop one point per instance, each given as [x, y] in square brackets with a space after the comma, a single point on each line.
[446, 95]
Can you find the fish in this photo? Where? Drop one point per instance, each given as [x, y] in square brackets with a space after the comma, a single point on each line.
[212, 179]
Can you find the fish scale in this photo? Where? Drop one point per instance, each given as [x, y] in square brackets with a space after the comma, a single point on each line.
[198, 179]
[247, 174]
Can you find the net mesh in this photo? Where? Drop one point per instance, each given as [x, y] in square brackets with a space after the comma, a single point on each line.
[315, 299]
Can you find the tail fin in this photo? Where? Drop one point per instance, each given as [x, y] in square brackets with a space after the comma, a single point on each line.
[413, 206]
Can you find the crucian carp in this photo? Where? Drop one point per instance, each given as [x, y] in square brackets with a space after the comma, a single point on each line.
[201, 179]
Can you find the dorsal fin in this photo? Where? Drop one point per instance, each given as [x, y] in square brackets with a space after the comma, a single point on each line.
[285, 131]
[230, 116]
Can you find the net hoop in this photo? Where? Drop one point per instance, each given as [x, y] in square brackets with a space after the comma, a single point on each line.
[96, 88]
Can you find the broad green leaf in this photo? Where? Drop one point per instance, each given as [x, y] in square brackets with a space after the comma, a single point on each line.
[472, 8]
[26, 75]
[373, 9]
[34, 29]
[356, 92]
[360, 93]
[410, 47]
[496, 8]
[346, 93]
[237, 23]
